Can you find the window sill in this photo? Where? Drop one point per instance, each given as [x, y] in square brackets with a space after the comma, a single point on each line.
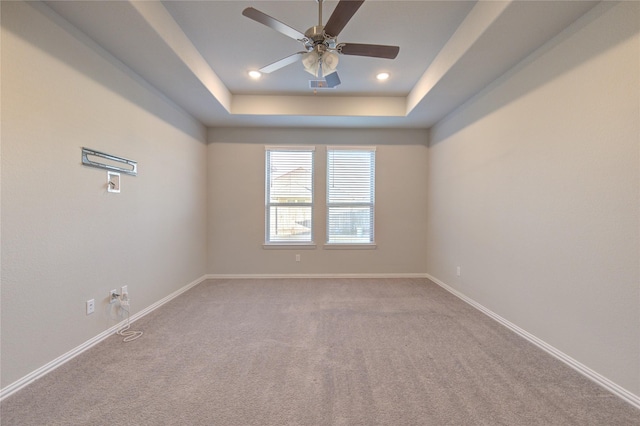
[368, 246]
[289, 246]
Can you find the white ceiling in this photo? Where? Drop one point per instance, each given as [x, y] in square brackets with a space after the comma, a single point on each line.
[198, 53]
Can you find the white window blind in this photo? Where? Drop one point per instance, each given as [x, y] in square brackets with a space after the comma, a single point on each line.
[350, 195]
[289, 195]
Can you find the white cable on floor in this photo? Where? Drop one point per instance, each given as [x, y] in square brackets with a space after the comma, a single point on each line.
[129, 335]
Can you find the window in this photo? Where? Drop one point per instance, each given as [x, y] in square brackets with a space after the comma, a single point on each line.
[289, 195]
[350, 195]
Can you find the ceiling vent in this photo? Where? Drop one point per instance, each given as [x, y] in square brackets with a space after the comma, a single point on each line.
[319, 84]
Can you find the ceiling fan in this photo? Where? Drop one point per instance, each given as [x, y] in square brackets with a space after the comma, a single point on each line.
[320, 56]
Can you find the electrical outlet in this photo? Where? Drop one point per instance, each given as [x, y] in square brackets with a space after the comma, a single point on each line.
[458, 271]
[113, 296]
[91, 306]
[297, 258]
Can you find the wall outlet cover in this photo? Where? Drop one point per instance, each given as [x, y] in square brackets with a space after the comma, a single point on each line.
[91, 306]
[113, 182]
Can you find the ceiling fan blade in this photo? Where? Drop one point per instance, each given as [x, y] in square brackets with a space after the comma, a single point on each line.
[332, 79]
[281, 63]
[343, 12]
[273, 23]
[373, 50]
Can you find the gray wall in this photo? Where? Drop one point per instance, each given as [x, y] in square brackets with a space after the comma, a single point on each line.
[236, 203]
[64, 238]
[534, 192]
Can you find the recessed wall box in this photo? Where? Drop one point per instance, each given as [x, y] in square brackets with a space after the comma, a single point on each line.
[113, 182]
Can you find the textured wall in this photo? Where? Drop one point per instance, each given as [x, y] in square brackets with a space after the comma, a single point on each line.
[534, 192]
[236, 203]
[64, 238]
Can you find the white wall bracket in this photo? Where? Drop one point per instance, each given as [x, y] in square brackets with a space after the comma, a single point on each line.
[124, 165]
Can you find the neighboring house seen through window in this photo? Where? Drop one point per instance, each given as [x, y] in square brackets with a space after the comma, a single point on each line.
[289, 195]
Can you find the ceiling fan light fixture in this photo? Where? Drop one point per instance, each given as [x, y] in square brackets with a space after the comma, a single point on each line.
[329, 63]
[255, 74]
[311, 62]
[382, 76]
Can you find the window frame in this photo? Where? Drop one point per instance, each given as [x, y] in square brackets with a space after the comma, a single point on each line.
[268, 242]
[333, 244]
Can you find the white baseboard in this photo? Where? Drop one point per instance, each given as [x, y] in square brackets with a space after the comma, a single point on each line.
[275, 276]
[47, 368]
[576, 365]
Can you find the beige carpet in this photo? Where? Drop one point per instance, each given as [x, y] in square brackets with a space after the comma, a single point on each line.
[316, 352]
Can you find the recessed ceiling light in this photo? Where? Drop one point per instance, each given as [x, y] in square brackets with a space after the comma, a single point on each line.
[382, 76]
[255, 74]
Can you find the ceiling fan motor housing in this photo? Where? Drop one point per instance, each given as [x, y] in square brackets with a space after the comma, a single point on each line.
[318, 40]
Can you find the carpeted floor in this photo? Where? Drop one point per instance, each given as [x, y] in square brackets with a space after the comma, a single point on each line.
[316, 352]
